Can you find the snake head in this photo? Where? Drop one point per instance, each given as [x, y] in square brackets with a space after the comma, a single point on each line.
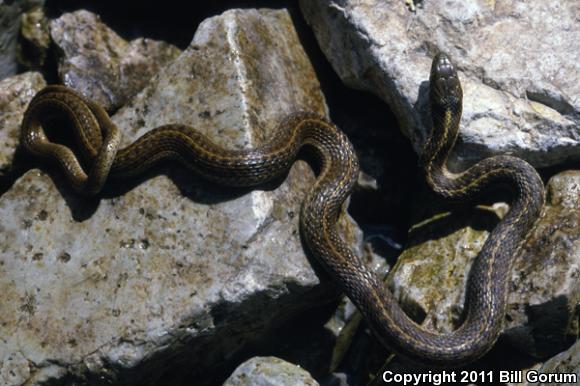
[444, 86]
[445, 102]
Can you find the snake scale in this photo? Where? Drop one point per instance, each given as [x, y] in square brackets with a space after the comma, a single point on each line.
[486, 295]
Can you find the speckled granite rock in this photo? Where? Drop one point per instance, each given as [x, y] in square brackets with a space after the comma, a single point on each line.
[166, 273]
[542, 319]
[520, 101]
[15, 93]
[269, 371]
[10, 12]
[97, 62]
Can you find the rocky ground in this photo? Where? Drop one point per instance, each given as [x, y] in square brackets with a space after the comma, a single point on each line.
[166, 279]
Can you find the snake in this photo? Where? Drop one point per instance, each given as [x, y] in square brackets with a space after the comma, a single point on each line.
[338, 168]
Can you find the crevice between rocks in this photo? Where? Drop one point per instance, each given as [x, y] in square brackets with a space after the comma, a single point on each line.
[555, 102]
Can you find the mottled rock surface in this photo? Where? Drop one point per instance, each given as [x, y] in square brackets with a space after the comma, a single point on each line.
[10, 12]
[544, 301]
[15, 94]
[166, 274]
[97, 62]
[269, 371]
[542, 318]
[520, 101]
[34, 39]
[429, 277]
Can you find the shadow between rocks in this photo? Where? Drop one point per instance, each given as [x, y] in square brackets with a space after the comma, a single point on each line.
[464, 216]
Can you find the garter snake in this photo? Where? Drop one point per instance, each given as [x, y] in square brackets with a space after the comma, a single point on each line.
[486, 293]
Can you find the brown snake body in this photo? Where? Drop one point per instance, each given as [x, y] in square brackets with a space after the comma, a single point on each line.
[487, 285]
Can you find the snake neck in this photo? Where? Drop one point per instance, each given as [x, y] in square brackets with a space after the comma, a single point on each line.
[445, 103]
[441, 140]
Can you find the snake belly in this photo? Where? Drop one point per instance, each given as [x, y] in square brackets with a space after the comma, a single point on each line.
[99, 138]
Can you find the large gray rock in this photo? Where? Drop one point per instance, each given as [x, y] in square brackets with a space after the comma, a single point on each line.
[10, 13]
[166, 273]
[97, 62]
[269, 371]
[542, 317]
[521, 101]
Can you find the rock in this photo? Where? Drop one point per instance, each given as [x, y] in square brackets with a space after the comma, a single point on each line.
[542, 318]
[15, 93]
[564, 369]
[515, 101]
[269, 371]
[429, 277]
[342, 327]
[10, 12]
[543, 310]
[95, 61]
[113, 290]
[566, 362]
[34, 39]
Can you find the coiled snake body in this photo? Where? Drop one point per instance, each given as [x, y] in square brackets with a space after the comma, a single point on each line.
[487, 286]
